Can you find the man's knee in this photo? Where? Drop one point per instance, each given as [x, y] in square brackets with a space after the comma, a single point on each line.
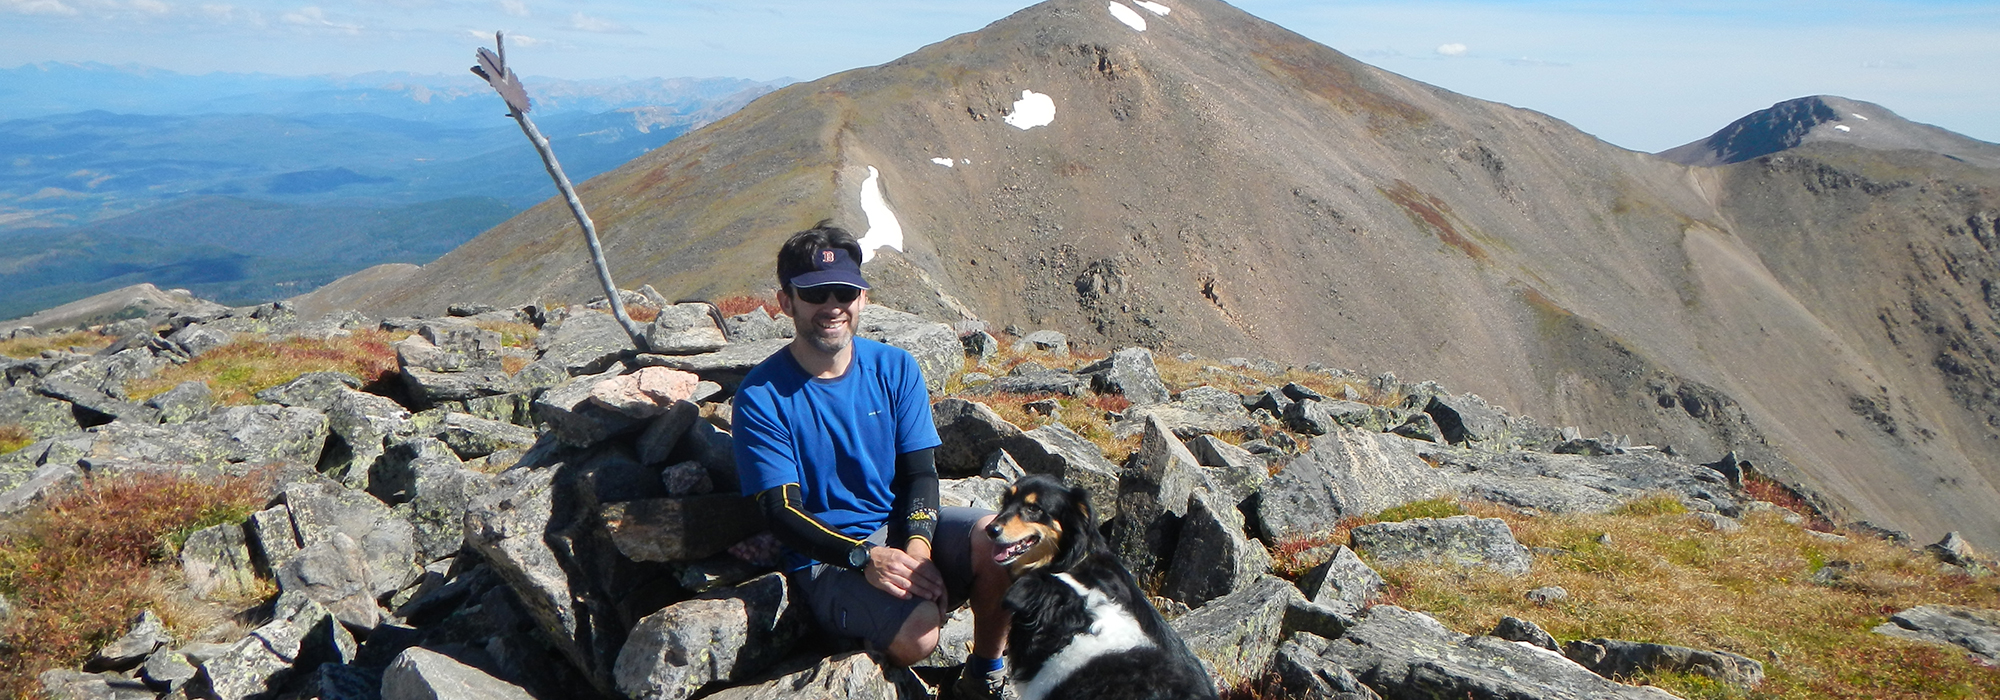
[918, 636]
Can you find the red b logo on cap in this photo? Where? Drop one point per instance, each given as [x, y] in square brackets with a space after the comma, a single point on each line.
[826, 256]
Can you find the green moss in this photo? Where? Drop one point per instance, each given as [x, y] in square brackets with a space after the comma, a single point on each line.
[1433, 508]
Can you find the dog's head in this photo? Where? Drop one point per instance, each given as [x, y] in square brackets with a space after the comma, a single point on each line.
[1043, 522]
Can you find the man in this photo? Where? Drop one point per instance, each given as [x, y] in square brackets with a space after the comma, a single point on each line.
[833, 437]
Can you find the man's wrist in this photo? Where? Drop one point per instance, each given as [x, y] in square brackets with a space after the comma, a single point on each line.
[858, 556]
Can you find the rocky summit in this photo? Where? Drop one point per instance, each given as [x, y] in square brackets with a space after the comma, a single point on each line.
[557, 516]
[1809, 289]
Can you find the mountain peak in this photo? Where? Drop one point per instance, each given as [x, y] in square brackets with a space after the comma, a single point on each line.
[1828, 118]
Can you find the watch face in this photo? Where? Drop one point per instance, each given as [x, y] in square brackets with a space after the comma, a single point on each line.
[858, 556]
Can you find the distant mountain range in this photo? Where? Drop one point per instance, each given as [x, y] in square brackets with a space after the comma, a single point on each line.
[106, 172]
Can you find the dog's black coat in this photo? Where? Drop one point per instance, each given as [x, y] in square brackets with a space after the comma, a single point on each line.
[1051, 615]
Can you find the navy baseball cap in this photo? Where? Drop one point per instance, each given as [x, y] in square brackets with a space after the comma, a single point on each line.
[830, 266]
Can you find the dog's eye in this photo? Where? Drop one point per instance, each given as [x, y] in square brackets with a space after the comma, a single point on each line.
[1031, 510]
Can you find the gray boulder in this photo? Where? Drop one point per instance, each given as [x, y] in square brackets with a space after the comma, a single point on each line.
[680, 529]
[1515, 629]
[1057, 451]
[1031, 378]
[584, 343]
[1213, 557]
[974, 492]
[300, 637]
[1237, 634]
[1302, 673]
[514, 529]
[1346, 473]
[322, 509]
[1231, 470]
[472, 437]
[273, 540]
[314, 390]
[726, 636]
[1574, 483]
[970, 431]
[433, 388]
[1319, 417]
[981, 346]
[40, 416]
[857, 675]
[333, 573]
[664, 432]
[1466, 418]
[1343, 582]
[1050, 342]
[934, 345]
[757, 324]
[422, 674]
[144, 634]
[684, 329]
[1210, 399]
[1153, 493]
[1185, 423]
[1461, 540]
[1954, 550]
[187, 402]
[196, 340]
[1401, 653]
[65, 684]
[575, 419]
[361, 425]
[217, 563]
[1613, 658]
[1974, 629]
[1130, 373]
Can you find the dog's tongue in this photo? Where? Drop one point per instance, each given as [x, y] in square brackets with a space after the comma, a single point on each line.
[1010, 551]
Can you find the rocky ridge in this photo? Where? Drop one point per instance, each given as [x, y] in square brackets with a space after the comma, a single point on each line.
[571, 528]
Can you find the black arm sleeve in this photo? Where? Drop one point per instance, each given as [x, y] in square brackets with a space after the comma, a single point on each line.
[916, 489]
[784, 510]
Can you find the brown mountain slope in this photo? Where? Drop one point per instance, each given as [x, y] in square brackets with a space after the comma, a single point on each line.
[1219, 184]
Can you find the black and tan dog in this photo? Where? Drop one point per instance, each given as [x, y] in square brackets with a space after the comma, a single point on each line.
[1082, 628]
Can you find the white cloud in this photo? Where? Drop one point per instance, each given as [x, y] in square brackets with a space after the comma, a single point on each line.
[586, 23]
[312, 16]
[525, 41]
[1452, 50]
[151, 7]
[36, 7]
[516, 8]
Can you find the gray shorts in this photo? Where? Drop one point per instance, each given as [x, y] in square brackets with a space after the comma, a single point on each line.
[845, 605]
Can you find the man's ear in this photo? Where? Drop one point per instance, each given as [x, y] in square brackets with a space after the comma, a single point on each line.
[785, 303]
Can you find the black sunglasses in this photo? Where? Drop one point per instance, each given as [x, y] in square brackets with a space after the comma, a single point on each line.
[818, 295]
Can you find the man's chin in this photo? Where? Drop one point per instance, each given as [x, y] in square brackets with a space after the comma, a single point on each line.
[830, 344]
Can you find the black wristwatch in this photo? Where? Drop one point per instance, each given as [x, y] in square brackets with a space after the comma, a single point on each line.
[858, 556]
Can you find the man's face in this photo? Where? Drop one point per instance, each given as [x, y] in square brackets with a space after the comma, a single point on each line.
[829, 324]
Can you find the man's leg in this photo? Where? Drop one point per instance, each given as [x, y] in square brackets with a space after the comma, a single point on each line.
[918, 637]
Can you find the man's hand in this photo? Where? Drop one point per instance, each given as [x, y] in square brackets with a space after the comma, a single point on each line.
[904, 574]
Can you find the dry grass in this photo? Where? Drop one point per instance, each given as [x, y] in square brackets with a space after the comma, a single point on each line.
[1661, 576]
[744, 303]
[514, 334]
[14, 437]
[80, 341]
[77, 568]
[237, 371]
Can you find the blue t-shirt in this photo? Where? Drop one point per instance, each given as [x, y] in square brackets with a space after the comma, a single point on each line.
[836, 438]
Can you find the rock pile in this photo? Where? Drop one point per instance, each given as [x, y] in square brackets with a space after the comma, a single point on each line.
[572, 528]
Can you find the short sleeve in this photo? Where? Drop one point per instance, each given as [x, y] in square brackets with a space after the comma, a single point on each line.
[764, 455]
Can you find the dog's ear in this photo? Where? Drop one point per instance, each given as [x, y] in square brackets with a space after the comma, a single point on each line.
[1081, 497]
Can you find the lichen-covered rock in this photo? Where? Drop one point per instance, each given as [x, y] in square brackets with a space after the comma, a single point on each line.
[684, 329]
[1129, 373]
[217, 562]
[1617, 658]
[1057, 451]
[728, 635]
[1051, 342]
[1974, 629]
[1303, 674]
[577, 420]
[1515, 629]
[321, 509]
[1463, 540]
[472, 437]
[1237, 634]
[40, 416]
[1575, 483]
[301, 636]
[584, 343]
[1213, 557]
[1345, 473]
[1153, 493]
[970, 432]
[422, 674]
[333, 573]
[1344, 581]
[187, 402]
[1401, 653]
[65, 684]
[145, 633]
[857, 675]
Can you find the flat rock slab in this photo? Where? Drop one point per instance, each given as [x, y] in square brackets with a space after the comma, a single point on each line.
[1977, 630]
[422, 674]
[1461, 539]
[1345, 473]
[1401, 653]
[1569, 483]
[855, 674]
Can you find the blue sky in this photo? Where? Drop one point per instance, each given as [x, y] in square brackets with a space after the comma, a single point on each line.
[1643, 74]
